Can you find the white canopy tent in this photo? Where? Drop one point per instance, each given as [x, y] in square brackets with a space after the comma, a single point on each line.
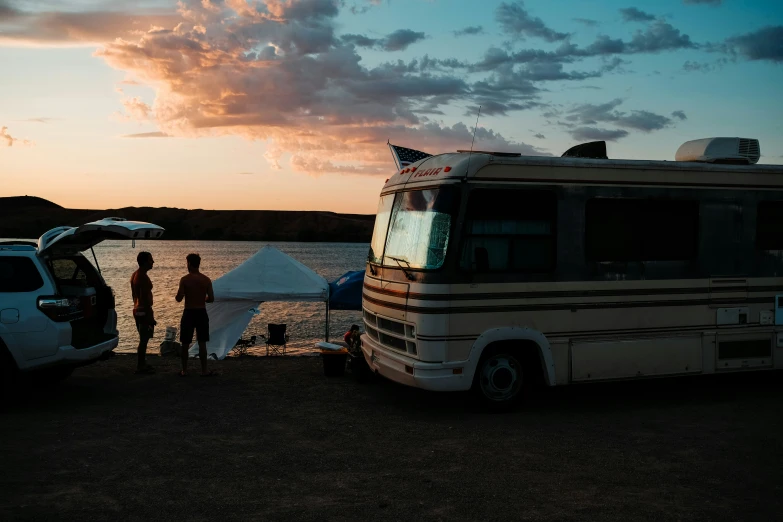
[269, 275]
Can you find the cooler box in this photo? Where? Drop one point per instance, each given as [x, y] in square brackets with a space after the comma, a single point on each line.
[86, 296]
[334, 357]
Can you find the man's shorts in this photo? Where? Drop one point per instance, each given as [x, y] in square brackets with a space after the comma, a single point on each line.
[144, 327]
[194, 319]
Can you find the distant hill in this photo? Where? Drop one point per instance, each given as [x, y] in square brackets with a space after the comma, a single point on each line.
[29, 217]
[23, 202]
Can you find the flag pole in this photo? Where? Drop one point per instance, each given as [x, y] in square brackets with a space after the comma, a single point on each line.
[394, 155]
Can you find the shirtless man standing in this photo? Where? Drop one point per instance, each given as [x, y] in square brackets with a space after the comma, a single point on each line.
[196, 289]
[141, 290]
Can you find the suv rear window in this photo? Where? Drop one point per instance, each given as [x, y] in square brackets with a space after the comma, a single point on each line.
[19, 274]
[74, 271]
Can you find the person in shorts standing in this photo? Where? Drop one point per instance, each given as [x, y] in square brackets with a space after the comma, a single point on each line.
[141, 290]
[196, 289]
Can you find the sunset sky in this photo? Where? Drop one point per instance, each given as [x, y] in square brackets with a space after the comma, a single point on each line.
[288, 104]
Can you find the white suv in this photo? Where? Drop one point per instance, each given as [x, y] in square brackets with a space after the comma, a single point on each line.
[56, 311]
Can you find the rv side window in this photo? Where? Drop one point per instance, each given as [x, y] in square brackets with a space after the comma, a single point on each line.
[624, 230]
[510, 230]
[769, 225]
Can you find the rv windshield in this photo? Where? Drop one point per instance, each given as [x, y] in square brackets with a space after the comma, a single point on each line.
[419, 228]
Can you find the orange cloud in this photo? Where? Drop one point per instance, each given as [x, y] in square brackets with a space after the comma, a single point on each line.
[271, 70]
[275, 71]
[10, 140]
[135, 109]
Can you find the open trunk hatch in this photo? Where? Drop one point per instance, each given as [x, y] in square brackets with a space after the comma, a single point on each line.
[69, 240]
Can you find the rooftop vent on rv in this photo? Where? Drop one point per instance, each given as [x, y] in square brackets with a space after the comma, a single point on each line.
[593, 149]
[742, 151]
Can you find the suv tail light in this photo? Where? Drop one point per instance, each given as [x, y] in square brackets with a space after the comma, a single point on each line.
[61, 309]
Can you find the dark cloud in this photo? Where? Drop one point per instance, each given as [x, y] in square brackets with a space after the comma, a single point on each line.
[764, 44]
[498, 107]
[539, 136]
[309, 10]
[632, 14]
[596, 134]
[645, 121]
[7, 11]
[486, 139]
[516, 21]
[587, 22]
[659, 36]
[359, 40]
[473, 29]
[400, 40]
[679, 114]
[696, 66]
[148, 135]
[397, 41]
[591, 114]
[358, 9]
[710, 2]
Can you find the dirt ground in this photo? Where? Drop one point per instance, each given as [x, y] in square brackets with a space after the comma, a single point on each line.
[273, 439]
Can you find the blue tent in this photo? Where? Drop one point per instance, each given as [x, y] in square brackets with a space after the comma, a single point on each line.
[346, 292]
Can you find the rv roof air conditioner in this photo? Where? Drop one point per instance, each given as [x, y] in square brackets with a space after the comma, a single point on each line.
[741, 151]
[593, 149]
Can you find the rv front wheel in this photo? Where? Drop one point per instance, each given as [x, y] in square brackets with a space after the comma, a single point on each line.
[498, 380]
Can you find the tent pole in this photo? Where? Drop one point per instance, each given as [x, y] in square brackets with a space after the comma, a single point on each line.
[326, 328]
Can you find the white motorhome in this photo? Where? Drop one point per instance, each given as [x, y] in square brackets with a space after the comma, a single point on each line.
[492, 271]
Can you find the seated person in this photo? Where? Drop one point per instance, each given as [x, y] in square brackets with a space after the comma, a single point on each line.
[351, 337]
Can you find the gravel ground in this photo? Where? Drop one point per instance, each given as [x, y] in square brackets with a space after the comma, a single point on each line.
[273, 439]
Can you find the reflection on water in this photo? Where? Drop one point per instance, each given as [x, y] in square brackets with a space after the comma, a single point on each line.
[305, 321]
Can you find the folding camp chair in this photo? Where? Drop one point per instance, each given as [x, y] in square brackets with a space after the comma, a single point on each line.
[276, 340]
[243, 344]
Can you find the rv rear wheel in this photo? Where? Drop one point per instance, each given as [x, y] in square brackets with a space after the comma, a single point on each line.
[499, 379]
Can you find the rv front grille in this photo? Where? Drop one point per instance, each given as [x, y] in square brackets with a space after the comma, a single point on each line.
[394, 342]
[390, 333]
[392, 326]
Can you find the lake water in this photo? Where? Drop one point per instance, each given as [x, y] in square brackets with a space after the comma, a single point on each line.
[305, 321]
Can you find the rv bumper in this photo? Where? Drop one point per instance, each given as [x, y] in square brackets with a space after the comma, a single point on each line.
[448, 376]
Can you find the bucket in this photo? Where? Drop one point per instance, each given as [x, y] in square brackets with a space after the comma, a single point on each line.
[171, 333]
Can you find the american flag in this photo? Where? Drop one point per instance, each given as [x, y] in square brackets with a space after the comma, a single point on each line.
[404, 157]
